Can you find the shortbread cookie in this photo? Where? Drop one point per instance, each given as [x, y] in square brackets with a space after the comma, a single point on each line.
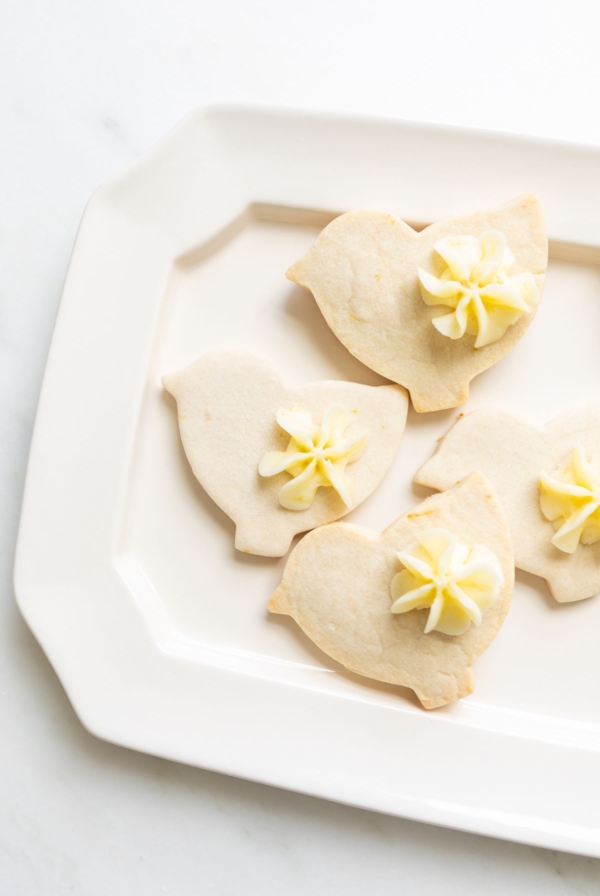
[548, 481]
[430, 310]
[277, 460]
[414, 605]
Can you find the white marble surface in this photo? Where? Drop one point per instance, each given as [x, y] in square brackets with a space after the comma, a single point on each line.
[86, 86]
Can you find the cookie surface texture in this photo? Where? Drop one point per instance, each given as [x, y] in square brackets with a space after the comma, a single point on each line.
[227, 404]
[336, 586]
[513, 454]
[363, 273]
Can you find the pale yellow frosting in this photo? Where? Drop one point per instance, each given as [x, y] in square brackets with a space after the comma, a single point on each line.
[570, 499]
[477, 286]
[456, 582]
[316, 456]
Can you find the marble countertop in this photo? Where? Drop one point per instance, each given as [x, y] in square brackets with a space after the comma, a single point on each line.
[84, 88]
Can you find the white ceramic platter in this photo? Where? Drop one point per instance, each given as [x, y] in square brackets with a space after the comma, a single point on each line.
[126, 571]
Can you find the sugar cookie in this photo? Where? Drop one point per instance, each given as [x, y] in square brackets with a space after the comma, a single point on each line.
[341, 586]
[430, 310]
[277, 460]
[548, 481]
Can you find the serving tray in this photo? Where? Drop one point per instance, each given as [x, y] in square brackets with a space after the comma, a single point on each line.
[126, 570]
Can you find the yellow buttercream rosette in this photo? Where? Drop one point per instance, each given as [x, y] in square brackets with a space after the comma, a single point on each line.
[476, 284]
[455, 581]
[316, 456]
[570, 499]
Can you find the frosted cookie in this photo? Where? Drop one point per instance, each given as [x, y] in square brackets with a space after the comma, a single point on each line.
[430, 310]
[277, 460]
[414, 605]
[548, 481]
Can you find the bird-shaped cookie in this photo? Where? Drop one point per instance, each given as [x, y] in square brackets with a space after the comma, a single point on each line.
[548, 481]
[414, 605]
[280, 460]
[429, 310]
